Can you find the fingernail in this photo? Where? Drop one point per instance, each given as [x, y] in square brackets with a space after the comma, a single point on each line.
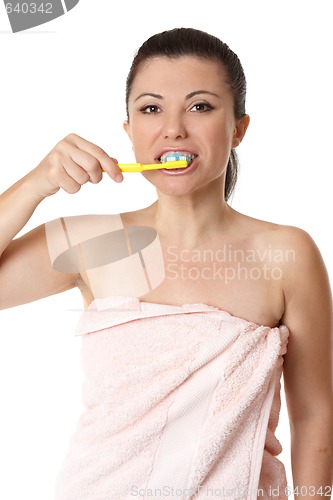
[119, 178]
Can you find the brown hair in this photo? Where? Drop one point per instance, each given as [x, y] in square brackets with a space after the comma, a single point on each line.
[188, 41]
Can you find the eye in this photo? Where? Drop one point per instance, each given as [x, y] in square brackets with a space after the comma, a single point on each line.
[201, 107]
[150, 109]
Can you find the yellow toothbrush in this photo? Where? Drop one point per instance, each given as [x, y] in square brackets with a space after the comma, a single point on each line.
[138, 167]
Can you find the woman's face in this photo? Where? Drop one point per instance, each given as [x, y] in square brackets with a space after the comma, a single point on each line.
[183, 105]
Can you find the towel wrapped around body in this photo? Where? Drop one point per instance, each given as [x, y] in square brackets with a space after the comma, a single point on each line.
[180, 401]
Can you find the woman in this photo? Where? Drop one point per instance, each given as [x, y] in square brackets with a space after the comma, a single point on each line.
[192, 307]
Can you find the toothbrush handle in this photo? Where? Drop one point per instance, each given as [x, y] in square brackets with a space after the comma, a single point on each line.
[130, 167]
[139, 167]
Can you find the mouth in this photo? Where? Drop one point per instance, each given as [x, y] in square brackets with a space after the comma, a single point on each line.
[176, 156]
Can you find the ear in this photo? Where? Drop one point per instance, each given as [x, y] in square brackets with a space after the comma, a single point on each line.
[127, 129]
[240, 130]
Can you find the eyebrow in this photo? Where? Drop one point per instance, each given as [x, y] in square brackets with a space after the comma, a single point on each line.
[188, 96]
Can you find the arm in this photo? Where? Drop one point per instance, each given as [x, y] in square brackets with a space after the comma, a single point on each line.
[26, 273]
[308, 369]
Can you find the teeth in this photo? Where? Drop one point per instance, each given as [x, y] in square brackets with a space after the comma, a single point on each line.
[175, 156]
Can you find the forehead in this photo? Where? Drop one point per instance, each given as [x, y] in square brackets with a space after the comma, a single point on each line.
[179, 73]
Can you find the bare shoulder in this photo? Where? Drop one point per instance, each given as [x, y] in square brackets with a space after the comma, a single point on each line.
[84, 226]
[65, 235]
[294, 237]
[285, 238]
[303, 257]
[305, 282]
[292, 248]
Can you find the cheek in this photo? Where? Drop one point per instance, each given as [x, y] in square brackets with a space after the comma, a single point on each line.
[222, 136]
[135, 136]
[139, 147]
[220, 145]
[140, 131]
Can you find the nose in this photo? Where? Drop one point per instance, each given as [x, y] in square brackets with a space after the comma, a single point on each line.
[174, 127]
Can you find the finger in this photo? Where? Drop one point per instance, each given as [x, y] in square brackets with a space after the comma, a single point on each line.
[108, 164]
[88, 164]
[67, 182]
[113, 170]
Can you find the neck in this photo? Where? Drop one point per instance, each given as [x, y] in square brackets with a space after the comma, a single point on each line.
[188, 220]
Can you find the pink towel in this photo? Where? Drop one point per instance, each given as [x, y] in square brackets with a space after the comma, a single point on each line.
[180, 401]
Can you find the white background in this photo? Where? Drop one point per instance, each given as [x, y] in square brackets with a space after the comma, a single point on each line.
[69, 76]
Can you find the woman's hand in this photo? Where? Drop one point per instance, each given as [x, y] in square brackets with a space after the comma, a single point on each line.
[70, 164]
[26, 272]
